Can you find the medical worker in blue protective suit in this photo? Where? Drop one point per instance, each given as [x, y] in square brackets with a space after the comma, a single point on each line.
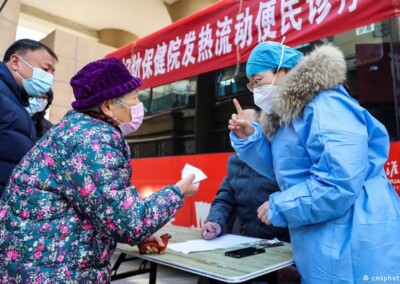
[327, 154]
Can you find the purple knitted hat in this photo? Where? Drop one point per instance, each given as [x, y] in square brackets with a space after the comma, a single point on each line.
[102, 80]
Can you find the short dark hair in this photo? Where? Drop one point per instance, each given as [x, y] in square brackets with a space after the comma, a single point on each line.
[23, 45]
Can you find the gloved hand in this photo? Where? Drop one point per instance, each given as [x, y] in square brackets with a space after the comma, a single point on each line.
[262, 213]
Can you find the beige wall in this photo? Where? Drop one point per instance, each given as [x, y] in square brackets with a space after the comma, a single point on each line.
[181, 9]
[8, 25]
[116, 38]
[73, 53]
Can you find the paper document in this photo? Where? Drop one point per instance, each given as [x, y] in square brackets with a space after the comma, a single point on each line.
[225, 241]
[189, 169]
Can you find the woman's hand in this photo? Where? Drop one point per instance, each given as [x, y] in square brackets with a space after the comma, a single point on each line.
[152, 249]
[239, 124]
[262, 213]
[187, 186]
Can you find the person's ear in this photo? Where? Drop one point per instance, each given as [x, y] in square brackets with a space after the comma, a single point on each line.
[13, 62]
[106, 108]
[286, 70]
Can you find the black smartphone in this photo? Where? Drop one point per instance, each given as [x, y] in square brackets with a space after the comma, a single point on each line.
[243, 252]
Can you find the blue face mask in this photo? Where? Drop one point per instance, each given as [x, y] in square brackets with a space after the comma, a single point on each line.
[36, 104]
[40, 82]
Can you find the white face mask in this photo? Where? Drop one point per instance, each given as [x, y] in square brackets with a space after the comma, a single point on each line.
[263, 97]
[36, 105]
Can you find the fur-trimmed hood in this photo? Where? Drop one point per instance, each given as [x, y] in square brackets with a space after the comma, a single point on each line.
[323, 69]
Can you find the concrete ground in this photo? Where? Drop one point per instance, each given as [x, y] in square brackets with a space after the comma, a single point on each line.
[165, 275]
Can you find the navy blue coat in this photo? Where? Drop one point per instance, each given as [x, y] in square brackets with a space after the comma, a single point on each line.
[241, 192]
[17, 131]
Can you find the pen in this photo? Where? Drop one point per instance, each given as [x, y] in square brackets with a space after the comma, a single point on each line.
[207, 231]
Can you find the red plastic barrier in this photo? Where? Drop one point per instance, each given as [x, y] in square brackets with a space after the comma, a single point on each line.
[151, 174]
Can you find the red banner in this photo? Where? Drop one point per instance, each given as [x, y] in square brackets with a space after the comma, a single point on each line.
[224, 34]
[392, 166]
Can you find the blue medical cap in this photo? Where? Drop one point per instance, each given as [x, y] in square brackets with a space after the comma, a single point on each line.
[267, 55]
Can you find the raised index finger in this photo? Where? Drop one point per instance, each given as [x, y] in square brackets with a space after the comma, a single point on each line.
[238, 108]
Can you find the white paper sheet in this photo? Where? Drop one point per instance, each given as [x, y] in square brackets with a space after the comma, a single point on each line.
[225, 241]
[189, 169]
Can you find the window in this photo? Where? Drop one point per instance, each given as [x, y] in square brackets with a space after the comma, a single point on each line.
[231, 81]
[145, 98]
[177, 94]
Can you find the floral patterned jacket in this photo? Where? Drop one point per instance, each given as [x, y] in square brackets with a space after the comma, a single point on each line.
[70, 201]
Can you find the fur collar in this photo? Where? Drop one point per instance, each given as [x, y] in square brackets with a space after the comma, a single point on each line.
[324, 68]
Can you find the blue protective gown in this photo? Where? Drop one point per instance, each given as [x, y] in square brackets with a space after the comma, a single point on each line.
[327, 155]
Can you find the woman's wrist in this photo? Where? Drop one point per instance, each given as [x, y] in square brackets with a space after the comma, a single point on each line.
[177, 190]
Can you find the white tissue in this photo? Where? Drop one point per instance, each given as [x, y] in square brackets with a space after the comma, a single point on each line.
[189, 169]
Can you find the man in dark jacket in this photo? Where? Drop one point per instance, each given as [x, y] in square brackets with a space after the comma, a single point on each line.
[241, 192]
[27, 70]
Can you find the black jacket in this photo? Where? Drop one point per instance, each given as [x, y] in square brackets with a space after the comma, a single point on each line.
[17, 131]
[241, 192]
[42, 125]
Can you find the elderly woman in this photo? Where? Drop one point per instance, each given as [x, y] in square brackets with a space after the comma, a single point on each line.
[70, 200]
[327, 155]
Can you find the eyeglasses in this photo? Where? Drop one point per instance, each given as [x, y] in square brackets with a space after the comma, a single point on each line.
[254, 84]
[122, 104]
